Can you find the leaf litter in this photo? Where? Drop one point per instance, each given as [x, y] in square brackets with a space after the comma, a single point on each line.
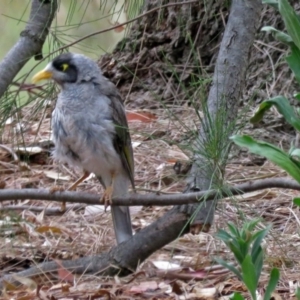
[184, 269]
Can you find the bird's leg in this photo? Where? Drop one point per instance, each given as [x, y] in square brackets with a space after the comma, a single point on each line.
[74, 186]
[107, 195]
[78, 181]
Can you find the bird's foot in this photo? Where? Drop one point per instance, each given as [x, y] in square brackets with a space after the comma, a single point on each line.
[107, 197]
[55, 189]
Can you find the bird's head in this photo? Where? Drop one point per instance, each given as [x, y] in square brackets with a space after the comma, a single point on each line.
[69, 68]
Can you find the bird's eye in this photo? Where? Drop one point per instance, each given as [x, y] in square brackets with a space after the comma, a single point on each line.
[64, 67]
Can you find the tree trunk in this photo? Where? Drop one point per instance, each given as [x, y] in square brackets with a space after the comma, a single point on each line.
[155, 64]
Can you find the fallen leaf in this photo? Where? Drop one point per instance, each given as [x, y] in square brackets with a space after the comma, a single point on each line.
[64, 275]
[165, 265]
[160, 167]
[44, 229]
[276, 296]
[9, 121]
[135, 144]
[144, 286]
[140, 116]
[56, 176]
[8, 286]
[101, 293]
[95, 209]
[28, 150]
[205, 292]
[176, 154]
[26, 281]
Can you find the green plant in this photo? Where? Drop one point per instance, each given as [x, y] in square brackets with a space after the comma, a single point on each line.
[245, 244]
[288, 161]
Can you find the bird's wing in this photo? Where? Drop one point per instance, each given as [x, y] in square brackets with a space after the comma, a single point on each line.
[122, 140]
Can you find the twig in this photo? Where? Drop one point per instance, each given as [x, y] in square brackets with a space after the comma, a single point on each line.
[52, 211]
[11, 151]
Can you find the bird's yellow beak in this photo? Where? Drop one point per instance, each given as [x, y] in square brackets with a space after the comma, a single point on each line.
[42, 75]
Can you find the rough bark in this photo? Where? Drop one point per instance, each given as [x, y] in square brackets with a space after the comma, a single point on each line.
[156, 64]
[227, 84]
[222, 106]
[30, 43]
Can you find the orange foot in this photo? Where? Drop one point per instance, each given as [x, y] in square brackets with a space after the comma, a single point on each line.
[107, 197]
[73, 187]
[56, 188]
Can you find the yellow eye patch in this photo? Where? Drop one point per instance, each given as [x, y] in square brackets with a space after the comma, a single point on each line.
[64, 67]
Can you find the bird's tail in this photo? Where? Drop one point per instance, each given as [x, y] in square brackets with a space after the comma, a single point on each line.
[122, 223]
[121, 214]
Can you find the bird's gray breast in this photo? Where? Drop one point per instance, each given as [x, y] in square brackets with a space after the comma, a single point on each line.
[83, 130]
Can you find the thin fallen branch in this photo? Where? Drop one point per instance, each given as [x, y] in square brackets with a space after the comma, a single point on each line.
[150, 199]
[48, 211]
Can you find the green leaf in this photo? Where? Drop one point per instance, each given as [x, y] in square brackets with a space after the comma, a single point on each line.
[279, 35]
[258, 263]
[297, 96]
[274, 277]
[295, 161]
[231, 243]
[291, 20]
[249, 276]
[233, 229]
[244, 247]
[229, 267]
[235, 249]
[295, 152]
[224, 236]
[259, 114]
[237, 296]
[296, 201]
[249, 226]
[272, 153]
[255, 253]
[297, 293]
[293, 61]
[258, 237]
[284, 108]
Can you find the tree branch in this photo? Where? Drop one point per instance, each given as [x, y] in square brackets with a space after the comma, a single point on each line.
[149, 199]
[30, 43]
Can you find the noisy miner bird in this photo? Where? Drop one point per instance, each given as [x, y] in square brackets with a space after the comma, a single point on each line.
[90, 129]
